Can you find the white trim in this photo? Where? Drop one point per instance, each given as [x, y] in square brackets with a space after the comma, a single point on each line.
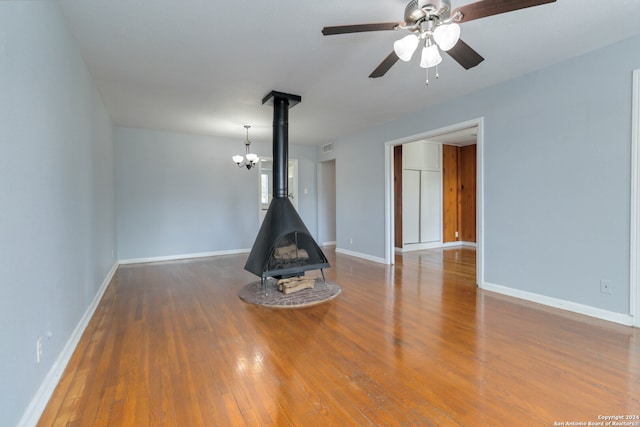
[361, 255]
[459, 244]
[452, 244]
[410, 247]
[574, 307]
[389, 241]
[333, 243]
[39, 402]
[480, 202]
[388, 188]
[634, 249]
[182, 256]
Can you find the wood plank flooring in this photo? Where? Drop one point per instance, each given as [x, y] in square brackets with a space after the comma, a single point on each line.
[415, 344]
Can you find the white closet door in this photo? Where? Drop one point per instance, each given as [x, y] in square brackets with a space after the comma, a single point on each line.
[430, 200]
[410, 206]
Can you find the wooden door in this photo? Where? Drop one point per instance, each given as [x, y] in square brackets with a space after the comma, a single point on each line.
[449, 193]
[467, 186]
[397, 195]
[459, 193]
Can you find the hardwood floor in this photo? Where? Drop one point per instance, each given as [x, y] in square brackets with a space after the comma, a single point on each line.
[417, 343]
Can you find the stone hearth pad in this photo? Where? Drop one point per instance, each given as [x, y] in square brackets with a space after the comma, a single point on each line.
[254, 294]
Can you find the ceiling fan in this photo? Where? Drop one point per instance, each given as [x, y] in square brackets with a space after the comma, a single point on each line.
[435, 25]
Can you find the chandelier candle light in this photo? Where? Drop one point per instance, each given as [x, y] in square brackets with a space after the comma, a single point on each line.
[249, 160]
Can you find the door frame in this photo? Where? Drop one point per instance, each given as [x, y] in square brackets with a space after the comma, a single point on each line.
[634, 249]
[389, 223]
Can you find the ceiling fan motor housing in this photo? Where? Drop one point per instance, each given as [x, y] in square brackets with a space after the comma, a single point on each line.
[419, 10]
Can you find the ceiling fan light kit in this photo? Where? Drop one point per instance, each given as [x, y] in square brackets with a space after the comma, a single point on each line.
[446, 35]
[430, 56]
[406, 46]
[436, 25]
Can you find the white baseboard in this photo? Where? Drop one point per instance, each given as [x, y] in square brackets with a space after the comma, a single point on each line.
[182, 256]
[39, 402]
[410, 247]
[361, 255]
[459, 244]
[452, 244]
[332, 243]
[587, 310]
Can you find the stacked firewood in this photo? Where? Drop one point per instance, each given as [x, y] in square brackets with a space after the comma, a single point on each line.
[295, 284]
[290, 253]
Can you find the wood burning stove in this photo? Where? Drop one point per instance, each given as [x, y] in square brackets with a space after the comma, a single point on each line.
[284, 247]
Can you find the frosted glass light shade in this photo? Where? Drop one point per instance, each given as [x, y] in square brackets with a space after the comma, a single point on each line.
[430, 57]
[237, 159]
[447, 35]
[405, 47]
[253, 158]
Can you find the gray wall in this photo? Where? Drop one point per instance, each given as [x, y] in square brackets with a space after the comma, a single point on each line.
[557, 145]
[557, 177]
[181, 194]
[57, 222]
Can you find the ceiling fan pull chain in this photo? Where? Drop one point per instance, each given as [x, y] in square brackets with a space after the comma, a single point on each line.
[427, 81]
[437, 74]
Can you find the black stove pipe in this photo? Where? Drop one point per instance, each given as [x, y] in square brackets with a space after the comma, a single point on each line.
[281, 103]
[280, 148]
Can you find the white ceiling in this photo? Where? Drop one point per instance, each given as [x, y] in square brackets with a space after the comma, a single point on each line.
[203, 66]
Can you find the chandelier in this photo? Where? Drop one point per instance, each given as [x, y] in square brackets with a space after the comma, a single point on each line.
[249, 160]
[432, 34]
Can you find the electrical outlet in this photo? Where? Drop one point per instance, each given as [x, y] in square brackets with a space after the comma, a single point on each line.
[605, 287]
[351, 240]
[39, 350]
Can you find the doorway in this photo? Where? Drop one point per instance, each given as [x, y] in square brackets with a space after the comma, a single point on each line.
[265, 169]
[391, 184]
[435, 192]
[327, 203]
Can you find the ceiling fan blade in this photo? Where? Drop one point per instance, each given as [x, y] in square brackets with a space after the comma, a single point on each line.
[384, 66]
[484, 8]
[360, 28]
[465, 55]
